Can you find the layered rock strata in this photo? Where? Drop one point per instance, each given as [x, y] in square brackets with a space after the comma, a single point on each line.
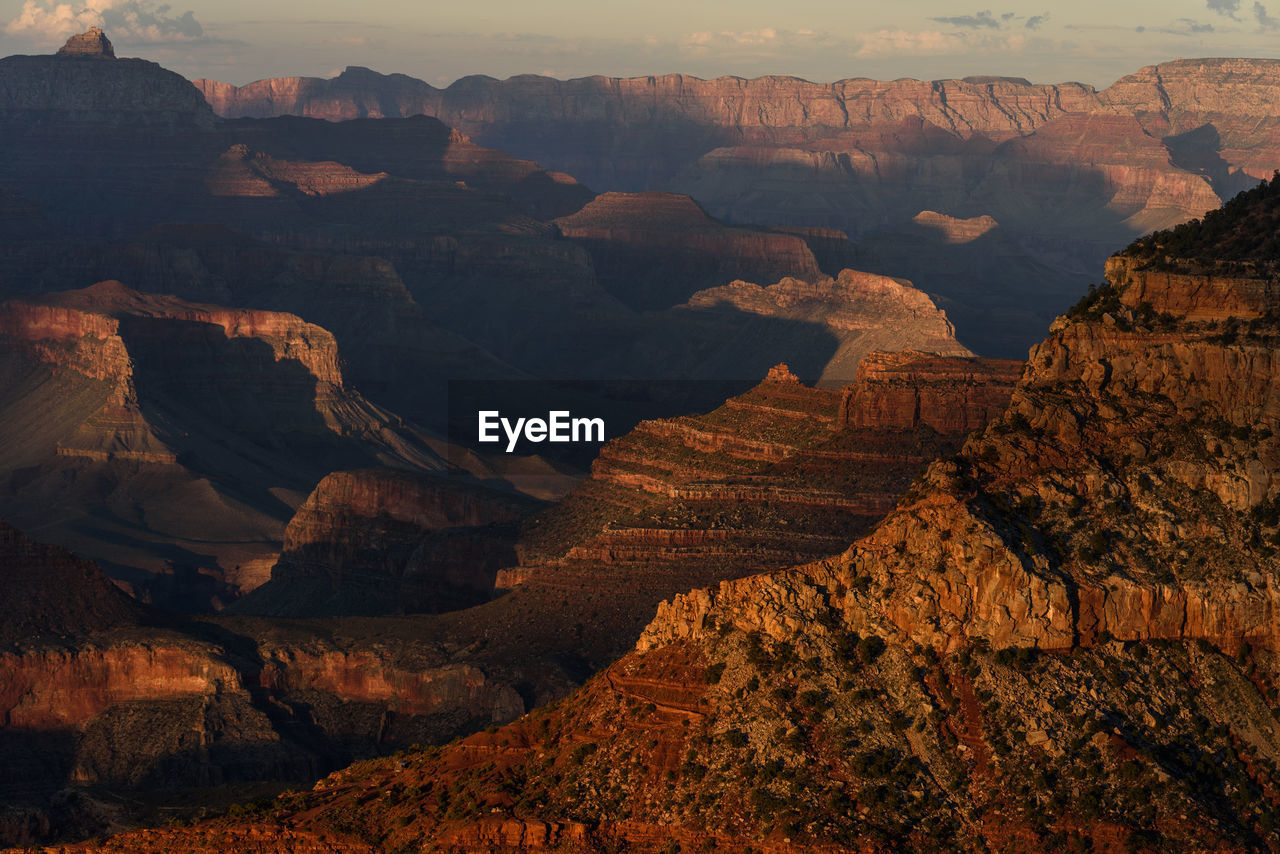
[1062, 636]
[178, 406]
[380, 541]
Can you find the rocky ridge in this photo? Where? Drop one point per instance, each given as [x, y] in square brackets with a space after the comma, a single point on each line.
[184, 398]
[843, 318]
[379, 541]
[626, 232]
[1062, 637]
[1070, 172]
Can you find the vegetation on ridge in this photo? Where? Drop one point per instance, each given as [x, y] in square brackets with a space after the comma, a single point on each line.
[1244, 232]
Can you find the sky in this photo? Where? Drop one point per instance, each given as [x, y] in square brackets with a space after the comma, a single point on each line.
[238, 41]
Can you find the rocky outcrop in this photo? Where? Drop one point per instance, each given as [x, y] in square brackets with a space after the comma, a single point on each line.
[39, 90]
[954, 229]
[185, 398]
[381, 541]
[767, 477]
[367, 677]
[1065, 613]
[52, 689]
[241, 172]
[654, 250]
[849, 316]
[954, 396]
[91, 44]
[1193, 297]
[50, 592]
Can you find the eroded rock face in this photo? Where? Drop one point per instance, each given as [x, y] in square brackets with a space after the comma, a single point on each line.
[856, 312]
[92, 44]
[626, 232]
[51, 592]
[1081, 600]
[95, 694]
[379, 541]
[174, 403]
[952, 395]
[781, 474]
[766, 106]
[1070, 173]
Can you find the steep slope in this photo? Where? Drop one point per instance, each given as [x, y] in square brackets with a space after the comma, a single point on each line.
[1068, 171]
[111, 714]
[822, 328]
[50, 592]
[172, 436]
[1063, 636]
[379, 541]
[655, 250]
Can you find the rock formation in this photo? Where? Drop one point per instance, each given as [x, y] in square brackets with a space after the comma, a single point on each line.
[655, 250]
[907, 390]
[823, 327]
[778, 475]
[99, 693]
[122, 93]
[1070, 173]
[381, 541]
[1064, 636]
[181, 408]
[91, 44]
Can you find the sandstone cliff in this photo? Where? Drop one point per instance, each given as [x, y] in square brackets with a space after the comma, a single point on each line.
[907, 390]
[655, 250]
[1070, 173]
[177, 404]
[823, 327]
[1062, 636]
[85, 83]
[381, 541]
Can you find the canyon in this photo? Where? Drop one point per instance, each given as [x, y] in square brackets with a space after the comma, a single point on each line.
[229, 704]
[1069, 172]
[1062, 636]
[174, 437]
[400, 248]
[899, 594]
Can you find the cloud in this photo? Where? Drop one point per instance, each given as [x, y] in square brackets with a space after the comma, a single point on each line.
[1265, 21]
[1182, 27]
[128, 21]
[975, 21]
[1228, 8]
[750, 38]
[1036, 21]
[1193, 27]
[902, 42]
